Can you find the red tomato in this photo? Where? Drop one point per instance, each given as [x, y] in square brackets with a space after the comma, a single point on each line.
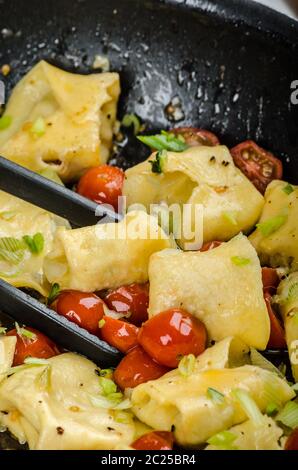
[86, 310]
[158, 440]
[277, 334]
[132, 299]
[196, 137]
[39, 347]
[260, 166]
[292, 441]
[210, 246]
[137, 368]
[172, 334]
[270, 280]
[103, 185]
[120, 334]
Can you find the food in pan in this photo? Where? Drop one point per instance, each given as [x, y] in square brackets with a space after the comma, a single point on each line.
[193, 322]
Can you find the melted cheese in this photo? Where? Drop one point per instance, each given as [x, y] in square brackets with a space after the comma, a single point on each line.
[200, 175]
[226, 297]
[79, 113]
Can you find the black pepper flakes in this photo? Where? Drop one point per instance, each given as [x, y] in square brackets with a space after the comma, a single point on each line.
[212, 160]
[60, 431]
[110, 429]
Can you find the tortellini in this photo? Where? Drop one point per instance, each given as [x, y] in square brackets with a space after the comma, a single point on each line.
[199, 175]
[61, 416]
[182, 403]
[288, 302]
[222, 287]
[18, 265]
[276, 239]
[107, 255]
[78, 111]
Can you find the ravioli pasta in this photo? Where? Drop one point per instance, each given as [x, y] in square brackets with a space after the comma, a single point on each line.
[199, 175]
[226, 297]
[79, 113]
[17, 219]
[63, 416]
[106, 255]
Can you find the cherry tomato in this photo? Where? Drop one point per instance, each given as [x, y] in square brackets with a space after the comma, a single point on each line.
[172, 334]
[197, 137]
[120, 334]
[137, 368]
[260, 166]
[210, 246]
[103, 185]
[39, 346]
[277, 334]
[158, 440]
[270, 280]
[132, 299]
[292, 441]
[86, 310]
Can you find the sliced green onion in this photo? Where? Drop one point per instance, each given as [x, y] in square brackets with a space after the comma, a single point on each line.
[8, 215]
[51, 174]
[288, 189]
[2, 330]
[44, 380]
[223, 440]
[132, 120]
[101, 323]
[271, 409]
[36, 361]
[239, 261]
[230, 217]
[23, 333]
[215, 395]
[108, 386]
[289, 415]
[35, 243]
[123, 405]
[54, 293]
[249, 406]
[38, 127]
[258, 360]
[159, 162]
[271, 225]
[5, 122]
[107, 373]
[110, 404]
[186, 365]
[164, 141]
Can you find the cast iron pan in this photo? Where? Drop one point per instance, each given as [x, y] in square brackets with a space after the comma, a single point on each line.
[230, 62]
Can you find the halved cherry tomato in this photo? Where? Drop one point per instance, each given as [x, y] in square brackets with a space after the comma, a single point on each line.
[39, 346]
[277, 334]
[158, 440]
[132, 299]
[86, 310]
[120, 334]
[292, 441]
[102, 184]
[260, 166]
[172, 334]
[270, 280]
[137, 368]
[210, 246]
[196, 137]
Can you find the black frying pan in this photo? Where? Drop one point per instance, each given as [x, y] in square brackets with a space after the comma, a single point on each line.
[230, 62]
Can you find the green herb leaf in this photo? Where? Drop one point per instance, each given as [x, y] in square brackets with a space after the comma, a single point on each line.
[272, 225]
[186, 365]
[238, 261]
[215, 395]
[164, 141]
[223, 440]
[5, 122]
[159, 162]
[132, 120]
[54, 293]
[248, 405]
[289, 415]
[23, 333]
[38, 128]
[35, 243]
[288, 189]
